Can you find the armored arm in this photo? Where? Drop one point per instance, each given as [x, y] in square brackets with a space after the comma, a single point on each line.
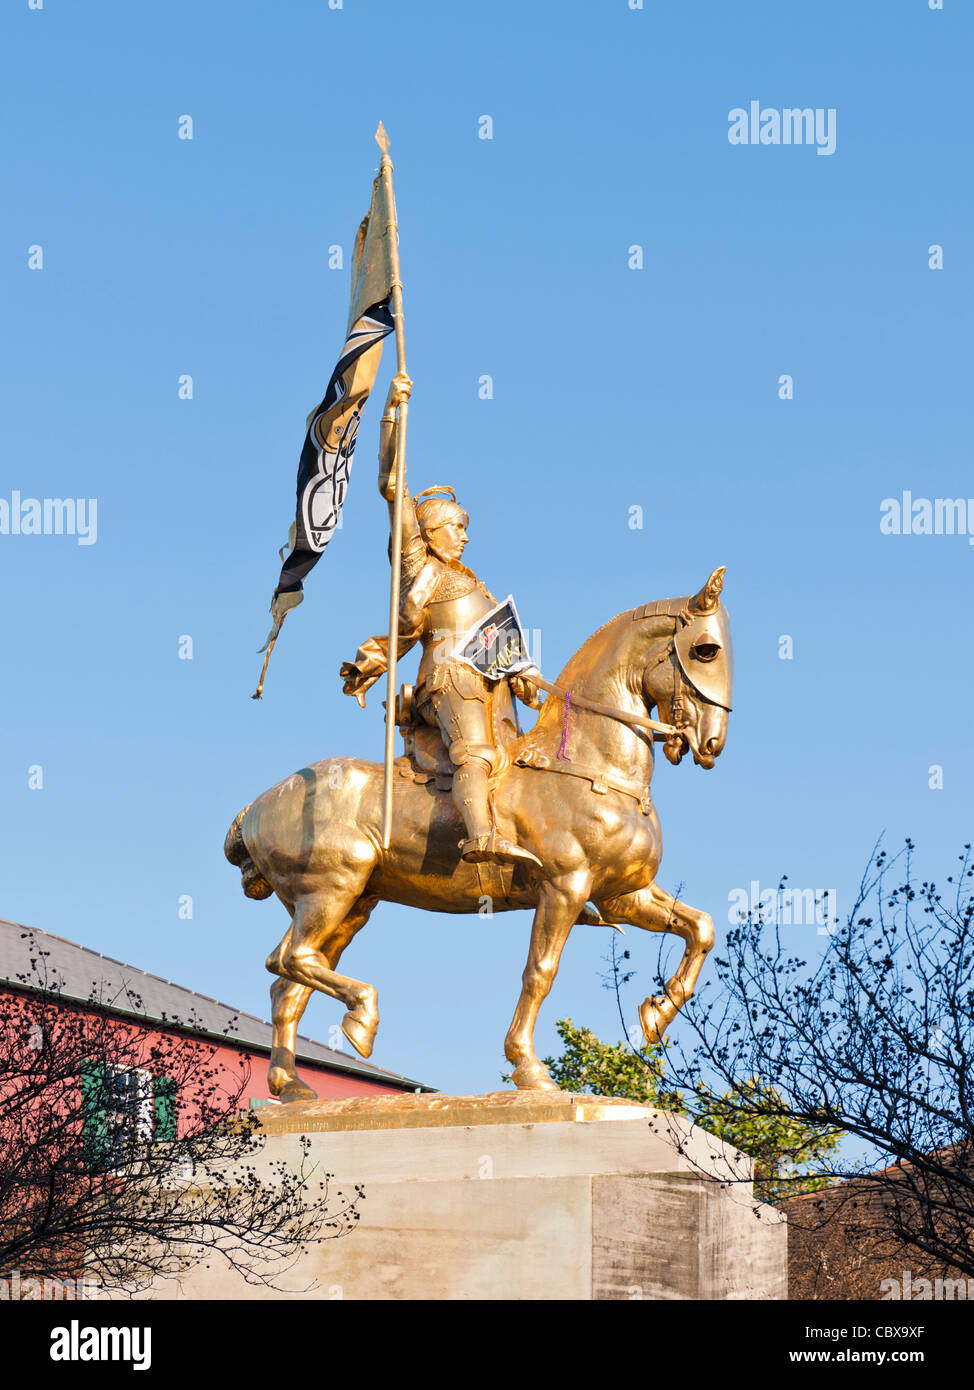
[387, 447]
[372, 658]
[414, 552]
[372, 661]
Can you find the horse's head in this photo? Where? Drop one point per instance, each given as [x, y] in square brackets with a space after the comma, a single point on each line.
[689, 678]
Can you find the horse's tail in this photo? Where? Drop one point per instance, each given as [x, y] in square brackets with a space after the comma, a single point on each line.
[255, 885]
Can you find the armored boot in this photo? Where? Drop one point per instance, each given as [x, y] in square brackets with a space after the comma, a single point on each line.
[484, 844]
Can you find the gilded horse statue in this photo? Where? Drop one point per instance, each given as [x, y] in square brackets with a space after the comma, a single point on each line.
[574, 791]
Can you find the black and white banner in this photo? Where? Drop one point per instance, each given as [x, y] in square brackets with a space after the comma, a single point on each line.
[329, 445]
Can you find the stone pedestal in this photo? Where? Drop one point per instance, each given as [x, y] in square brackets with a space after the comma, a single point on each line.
[521, 1195]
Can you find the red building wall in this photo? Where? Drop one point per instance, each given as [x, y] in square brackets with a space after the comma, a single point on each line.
[128, 1042]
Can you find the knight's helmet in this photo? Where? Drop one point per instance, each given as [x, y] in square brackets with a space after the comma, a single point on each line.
[433, 510]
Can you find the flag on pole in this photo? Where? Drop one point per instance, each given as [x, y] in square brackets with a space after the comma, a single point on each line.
[329, 444]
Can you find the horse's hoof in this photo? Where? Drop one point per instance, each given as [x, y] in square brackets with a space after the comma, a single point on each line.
[287, 1087]
[359, 1034]
[653, 1019]
[533, 1076]
[296, 1090]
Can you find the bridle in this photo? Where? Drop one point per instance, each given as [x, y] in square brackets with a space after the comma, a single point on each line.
[681, 728]
[634, 721]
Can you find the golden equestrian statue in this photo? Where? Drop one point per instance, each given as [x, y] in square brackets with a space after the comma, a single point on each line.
[559, 819]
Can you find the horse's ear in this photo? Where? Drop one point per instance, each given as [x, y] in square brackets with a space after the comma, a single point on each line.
[709, 596]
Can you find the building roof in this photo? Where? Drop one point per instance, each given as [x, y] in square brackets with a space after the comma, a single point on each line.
[85, 976]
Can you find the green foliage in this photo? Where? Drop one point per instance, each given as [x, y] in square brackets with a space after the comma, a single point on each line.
[754, 1119]
[590, 1066]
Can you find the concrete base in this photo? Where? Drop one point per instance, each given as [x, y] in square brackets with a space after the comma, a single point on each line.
[520, 1195]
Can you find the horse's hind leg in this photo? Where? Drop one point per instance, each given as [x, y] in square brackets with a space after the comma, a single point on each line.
[289, 996]
[654, 909]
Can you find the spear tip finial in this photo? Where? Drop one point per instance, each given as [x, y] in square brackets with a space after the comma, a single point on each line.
[382, 139]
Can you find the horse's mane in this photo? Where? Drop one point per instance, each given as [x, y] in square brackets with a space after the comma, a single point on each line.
[575, 660]
[661, 607]
[594, 646]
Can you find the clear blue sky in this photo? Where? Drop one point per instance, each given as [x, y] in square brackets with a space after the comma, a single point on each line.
[612, 388]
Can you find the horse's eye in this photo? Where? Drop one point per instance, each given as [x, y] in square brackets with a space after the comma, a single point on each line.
[705, 651]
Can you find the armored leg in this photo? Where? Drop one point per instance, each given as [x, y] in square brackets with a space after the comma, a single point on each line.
[471, 796]
[465, 726]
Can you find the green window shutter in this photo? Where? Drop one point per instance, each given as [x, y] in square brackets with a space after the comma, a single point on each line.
[94, 1117]
[164, 1107]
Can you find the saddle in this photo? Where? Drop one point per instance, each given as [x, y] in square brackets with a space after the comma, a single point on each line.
[425, 758]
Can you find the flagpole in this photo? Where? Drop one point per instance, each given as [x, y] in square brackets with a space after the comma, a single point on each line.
[385, 169]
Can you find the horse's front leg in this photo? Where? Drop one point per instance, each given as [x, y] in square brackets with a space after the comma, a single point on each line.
[559, 904]
[654, 909]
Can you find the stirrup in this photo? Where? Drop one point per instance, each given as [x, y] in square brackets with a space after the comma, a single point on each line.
[475, 850]
[492, 849]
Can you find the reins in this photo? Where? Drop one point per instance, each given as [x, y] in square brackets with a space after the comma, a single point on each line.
[638, 721]
[561, 763]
